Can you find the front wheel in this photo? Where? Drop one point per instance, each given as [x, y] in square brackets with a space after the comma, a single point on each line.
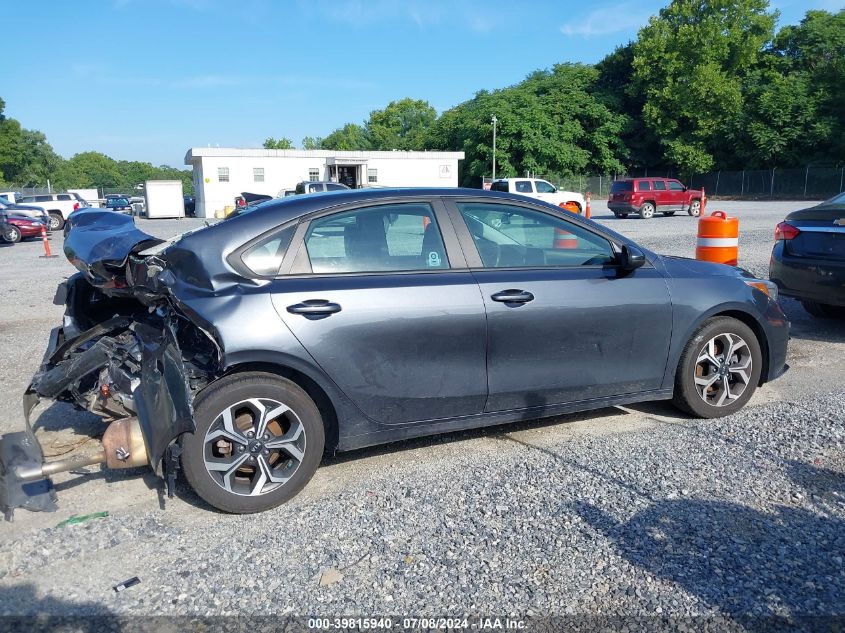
[56, 221]
[694, 208]
[647, 211]
[12, 234]
[824, 310]
[719, 369]
[258, 441]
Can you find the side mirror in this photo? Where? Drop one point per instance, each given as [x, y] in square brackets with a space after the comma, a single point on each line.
[631, 258]
[686, 188]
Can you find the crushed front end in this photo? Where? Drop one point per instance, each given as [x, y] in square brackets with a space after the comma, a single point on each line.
[124, 352]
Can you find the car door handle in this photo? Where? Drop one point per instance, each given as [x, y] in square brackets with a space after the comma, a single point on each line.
[513, 296]
[314, 307]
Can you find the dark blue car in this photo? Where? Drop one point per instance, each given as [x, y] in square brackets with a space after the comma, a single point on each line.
[241, 352]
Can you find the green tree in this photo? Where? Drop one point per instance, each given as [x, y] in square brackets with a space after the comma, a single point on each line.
[350, 137]
[312, 142]
[690, 63]
[280, 143]
[401, 125]
[812, 54]
[552, 123]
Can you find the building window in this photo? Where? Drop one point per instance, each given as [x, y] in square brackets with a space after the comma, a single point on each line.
[313, 174]
[258, 174]
[222, 174]
[372, 175]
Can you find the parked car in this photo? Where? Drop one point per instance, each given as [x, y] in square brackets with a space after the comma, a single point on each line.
[19, 227]
[118, 204]
[317, 186]
[808, 258]
[539, 189]
[58, 205]
[647, 196]
[32, 212]
[243, 350]
[10, 197]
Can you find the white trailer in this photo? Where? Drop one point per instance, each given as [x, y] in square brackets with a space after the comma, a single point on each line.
[164, 199]
[91, 196]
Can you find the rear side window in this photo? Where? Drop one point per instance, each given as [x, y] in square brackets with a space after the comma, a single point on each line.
[265, 258]
[643, 185]
[659, 185]
[43, 198]
[334, 187]
[396, 237]
[499, 185]
[622, 185]
[63, 196]
[523, 186]
[515, 237]
[315, 188]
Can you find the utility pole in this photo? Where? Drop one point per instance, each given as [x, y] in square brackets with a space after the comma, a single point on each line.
[494, 146]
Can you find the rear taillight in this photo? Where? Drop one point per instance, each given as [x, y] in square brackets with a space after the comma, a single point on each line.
[75, 206]
[785, 231]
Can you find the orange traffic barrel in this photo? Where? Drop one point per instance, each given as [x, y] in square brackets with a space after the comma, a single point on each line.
[565, 239]
[570, 206]
[718, 238]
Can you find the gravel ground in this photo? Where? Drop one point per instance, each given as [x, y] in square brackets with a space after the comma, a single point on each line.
[625, 511]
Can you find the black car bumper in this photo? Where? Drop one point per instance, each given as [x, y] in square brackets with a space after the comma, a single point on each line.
[623, 207]
[822, 281]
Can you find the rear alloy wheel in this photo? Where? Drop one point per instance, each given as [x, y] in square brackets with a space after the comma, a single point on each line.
[56, 221]
[719, 369]
[694, 208]
[824, 310]
[259, 440]
[12, 234]
[647, 211]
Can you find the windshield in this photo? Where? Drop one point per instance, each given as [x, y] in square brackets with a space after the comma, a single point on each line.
[837, 199]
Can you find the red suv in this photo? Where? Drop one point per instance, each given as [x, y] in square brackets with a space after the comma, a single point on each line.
[647, 196]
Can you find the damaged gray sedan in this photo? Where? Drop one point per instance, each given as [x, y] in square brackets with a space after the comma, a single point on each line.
[239, 353]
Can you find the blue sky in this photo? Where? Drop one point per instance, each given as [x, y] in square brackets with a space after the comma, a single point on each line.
[147, 79]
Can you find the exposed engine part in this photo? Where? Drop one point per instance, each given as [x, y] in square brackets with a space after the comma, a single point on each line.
[123, 443]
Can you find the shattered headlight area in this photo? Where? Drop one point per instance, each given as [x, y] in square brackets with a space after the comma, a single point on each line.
[127, 355]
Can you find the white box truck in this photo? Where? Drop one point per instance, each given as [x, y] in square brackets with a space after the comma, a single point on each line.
[164, 199]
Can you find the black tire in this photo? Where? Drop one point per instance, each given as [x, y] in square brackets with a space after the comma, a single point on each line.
[57, 222]
[824, 310]
[687, 397]
[647, 211]
[694, 208]
[12, 235]
[227, 393]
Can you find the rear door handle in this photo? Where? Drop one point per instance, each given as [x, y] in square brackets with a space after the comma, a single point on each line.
[314, 307]
[513, 296]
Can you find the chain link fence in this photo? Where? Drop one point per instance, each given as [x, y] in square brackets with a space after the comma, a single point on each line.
[812, 183]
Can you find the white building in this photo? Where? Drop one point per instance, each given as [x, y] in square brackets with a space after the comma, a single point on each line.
[222, 173]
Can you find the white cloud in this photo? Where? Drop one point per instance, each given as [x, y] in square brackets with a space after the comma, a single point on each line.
[626, 16]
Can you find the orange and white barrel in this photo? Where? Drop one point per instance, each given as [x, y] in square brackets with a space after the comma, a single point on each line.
[718, 238]
[565, 239]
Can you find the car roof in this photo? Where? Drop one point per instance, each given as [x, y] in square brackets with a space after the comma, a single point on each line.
[630, 178]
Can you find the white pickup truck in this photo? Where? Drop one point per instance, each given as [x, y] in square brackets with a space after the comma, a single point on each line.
[58, 205]
[539, 189]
